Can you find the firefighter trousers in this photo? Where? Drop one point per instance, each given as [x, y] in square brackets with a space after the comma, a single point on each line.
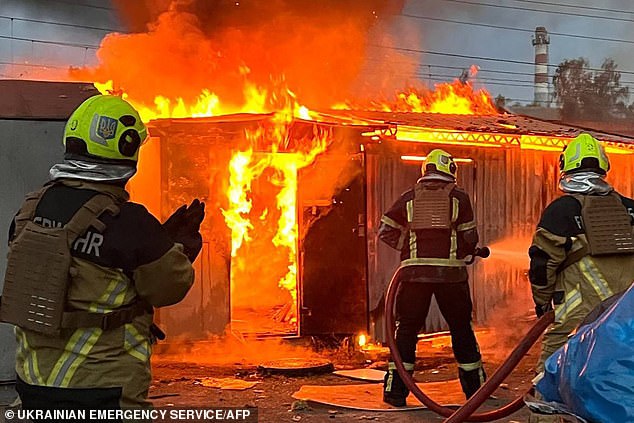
[412, 306]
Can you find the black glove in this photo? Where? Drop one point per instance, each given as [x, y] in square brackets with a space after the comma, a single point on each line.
[540, 310]
[183, 226]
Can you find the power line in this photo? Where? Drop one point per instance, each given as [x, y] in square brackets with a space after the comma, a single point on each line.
[58, 24]
[74, 3]
[540, 11]
[508, 28]
[59, 43]
[471, 57]
[423, 71]
[574, 6]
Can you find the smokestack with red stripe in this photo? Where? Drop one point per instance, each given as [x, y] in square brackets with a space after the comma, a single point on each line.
[541, 41]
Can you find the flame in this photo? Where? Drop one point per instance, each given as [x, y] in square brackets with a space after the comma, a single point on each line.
[362, 339]
[245, 168]
[257, 99]
[457, 97]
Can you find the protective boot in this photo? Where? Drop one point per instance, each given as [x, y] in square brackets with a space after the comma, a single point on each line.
[394, 390]
[471, 378]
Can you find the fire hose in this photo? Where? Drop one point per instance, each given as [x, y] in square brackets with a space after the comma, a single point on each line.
[466, 412]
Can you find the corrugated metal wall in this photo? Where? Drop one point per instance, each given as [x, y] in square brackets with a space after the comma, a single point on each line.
[27, 151]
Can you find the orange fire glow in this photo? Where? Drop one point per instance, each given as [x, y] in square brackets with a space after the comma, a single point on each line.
[281, 169]
[188, 64]
[458, 97]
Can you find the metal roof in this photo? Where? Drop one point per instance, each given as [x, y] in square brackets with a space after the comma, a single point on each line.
[493, 124]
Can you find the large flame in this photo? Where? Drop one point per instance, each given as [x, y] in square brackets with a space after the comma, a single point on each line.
[188, 65]
[458, 97]
[281, 170]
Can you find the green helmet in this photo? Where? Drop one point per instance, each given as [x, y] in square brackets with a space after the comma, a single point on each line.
[584, 153]
[440, 161]
[105, 128]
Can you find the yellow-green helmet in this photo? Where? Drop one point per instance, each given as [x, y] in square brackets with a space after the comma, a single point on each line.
[105, 128]
[584, 153]
[440, 161]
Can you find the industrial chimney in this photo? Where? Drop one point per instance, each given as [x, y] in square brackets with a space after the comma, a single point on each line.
[541, 41]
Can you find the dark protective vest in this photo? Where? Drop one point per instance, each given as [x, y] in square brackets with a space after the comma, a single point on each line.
[39, 270]
[607, 226]
[431, 208]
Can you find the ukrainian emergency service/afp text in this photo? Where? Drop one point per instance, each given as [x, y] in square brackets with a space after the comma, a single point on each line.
[157, 414]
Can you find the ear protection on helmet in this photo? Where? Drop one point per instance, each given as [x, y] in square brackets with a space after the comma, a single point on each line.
[452, 167]
[129, 142]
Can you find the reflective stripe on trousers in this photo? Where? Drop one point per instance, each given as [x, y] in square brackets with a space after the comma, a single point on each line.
[30, 367]
[75, 352]
[137, 345]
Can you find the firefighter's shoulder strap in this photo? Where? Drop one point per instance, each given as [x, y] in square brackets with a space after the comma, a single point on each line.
[607, 226]
[432, 207]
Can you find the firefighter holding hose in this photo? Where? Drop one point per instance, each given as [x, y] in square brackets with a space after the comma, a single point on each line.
[433, 227]
[582, 252]
[86, 267]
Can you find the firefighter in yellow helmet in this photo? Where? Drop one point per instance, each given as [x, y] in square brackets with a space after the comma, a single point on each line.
[433, 227]
[576, 261]
[87, 267]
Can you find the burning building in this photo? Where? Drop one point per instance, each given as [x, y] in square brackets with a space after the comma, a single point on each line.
[291, 243]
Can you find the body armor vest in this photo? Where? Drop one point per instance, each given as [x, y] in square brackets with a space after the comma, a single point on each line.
[39, 270]
[432, 207]
[607, 224]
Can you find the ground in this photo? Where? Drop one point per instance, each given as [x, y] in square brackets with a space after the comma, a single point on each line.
[178, 384]
[179, 370]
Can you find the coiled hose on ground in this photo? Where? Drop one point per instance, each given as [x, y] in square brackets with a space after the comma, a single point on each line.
[466, 412]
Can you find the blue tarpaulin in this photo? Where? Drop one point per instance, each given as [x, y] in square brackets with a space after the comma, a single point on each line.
[593, 374]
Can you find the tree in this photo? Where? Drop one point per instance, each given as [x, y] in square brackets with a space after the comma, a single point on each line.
[589, 94]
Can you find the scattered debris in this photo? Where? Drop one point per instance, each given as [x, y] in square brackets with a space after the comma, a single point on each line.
[297, 366]
[157, 396]
[300, 405]
[370, 375]
[296, 418]
[227, 383]
[504, 385]
[378, 365]
[369, 396]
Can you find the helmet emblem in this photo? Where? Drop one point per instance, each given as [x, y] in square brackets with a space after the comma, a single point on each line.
[107, 127]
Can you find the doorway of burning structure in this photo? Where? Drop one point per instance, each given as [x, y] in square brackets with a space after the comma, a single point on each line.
[333, 269]
[260, 305]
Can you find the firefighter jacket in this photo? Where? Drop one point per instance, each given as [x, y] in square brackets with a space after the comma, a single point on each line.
[575, 286]
[435, 255]
[133, 259]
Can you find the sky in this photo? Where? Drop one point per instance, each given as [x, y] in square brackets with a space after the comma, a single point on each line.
[504, 44]
[417, 28]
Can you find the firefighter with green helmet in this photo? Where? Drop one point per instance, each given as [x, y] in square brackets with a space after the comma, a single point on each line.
[86, 268]
[433, 227]
[582, 252]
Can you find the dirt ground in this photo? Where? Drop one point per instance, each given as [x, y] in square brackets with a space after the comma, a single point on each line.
[179, 372]
[178, 384]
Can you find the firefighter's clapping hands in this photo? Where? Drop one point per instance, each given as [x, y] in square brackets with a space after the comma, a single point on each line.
[183, 226]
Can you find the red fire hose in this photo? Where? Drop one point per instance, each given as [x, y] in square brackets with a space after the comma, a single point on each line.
[465, 412]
